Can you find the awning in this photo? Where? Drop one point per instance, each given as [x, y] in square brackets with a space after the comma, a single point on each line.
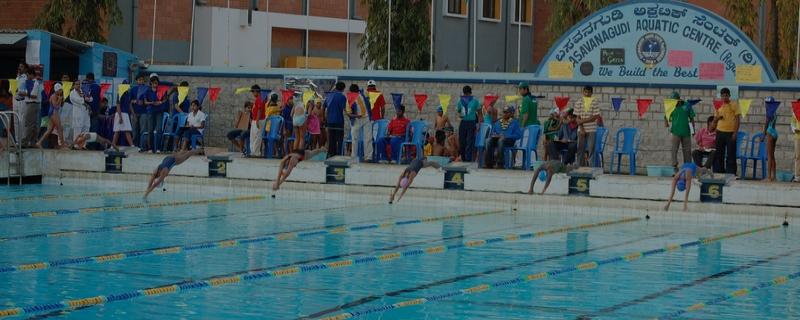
[11, 38]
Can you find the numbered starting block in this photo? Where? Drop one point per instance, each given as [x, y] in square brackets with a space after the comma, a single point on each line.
[579, 180]
[336, 169]
[114, 161]
[218, 166]
[454, 174]
[711, 187]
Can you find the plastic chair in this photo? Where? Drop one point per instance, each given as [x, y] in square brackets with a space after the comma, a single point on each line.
[415, 136]
[758, 152]
[529, 146]
[480, 141]
[601, 138]
[273, 136]
[379, 131]
[628, 146]
[201, 136]
[177, 122]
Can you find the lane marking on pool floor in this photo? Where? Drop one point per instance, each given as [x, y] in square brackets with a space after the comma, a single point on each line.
[217, 281]
[232, 242]
[90, 210]
[585, 266]
[479, 274]
[127, 227]
[47, 197]
[696, 282]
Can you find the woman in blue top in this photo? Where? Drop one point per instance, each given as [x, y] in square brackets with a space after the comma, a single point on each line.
[683, 182]
[771, 135]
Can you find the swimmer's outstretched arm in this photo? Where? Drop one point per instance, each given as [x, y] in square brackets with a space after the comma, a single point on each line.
[396, 187]
[311, 153]
[433, 164]
[550, 173]
[183, 156]
[688, 188]
[672, 190]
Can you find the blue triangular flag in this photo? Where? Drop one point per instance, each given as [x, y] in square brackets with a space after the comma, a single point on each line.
[29, 86]
[201, 94]
[465, 100]
[397, 99]
[265, 94]
[693, 102]
[772, 107]
[616, 103]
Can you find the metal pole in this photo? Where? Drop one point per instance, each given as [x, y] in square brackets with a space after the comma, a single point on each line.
[347, 58]
[474, 36]
[191, 36]
[797, 50]
[269, 37]
[519, 33]
[433, 4]
[389, 46]
[228, 46]
[308, 9]
[153, 40]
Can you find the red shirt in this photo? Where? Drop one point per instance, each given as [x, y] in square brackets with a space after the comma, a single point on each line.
[377, 109]
[257, 113]
[397, 127]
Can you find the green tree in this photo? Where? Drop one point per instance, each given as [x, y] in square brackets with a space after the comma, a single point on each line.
[567, 13]
[743, 14]
[83, 20]
[787, 37]
[410, 35]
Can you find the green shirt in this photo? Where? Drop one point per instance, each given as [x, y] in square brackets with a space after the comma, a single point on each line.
[551, 128]
[680, 119]
[531, 108]
[471, 112]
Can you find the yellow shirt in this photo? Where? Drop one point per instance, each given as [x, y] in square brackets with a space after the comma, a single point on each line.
[272, 110]
[795, 126]
[728, 113]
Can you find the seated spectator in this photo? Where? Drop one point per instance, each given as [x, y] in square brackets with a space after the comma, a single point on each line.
[505, 133]
[566, 139]
[706, 143]
[241, 128]
[395, 135]
[195, 124]
[551, 128]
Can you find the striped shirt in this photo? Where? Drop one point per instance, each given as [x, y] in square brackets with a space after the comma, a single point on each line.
[582, 113]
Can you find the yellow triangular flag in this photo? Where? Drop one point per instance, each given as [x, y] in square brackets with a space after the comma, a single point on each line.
[444, 100]
[12, 86]
[511, 99]
[67, 87]
[121, 89]
[744, 106]
[669, 106]
[308, 95]
[373, 98]
[587, 103]
[241, 90]
[182, 93]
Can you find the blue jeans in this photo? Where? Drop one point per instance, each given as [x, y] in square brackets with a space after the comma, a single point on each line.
[394, 143]
[157, 120]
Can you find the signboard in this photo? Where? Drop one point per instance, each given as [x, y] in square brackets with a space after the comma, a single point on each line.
[109, 64]
[114, 162]
[335, 174]
[579, 185]
[218, 167]
[711, 192]
[454, 180]
[663, 41]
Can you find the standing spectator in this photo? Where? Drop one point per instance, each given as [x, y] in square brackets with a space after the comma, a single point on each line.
[241, 127]
[19, 99]
[299, 119]
[395, 134]
[587, 119]
[56, 102]
[565, 140]
[727, 120]
[286, 114]
[30, 112]
[66, 112]
[466, 129]
[551, 128]
[360, 127]
[771, 134]
[195, 124]
[706, 142]
[182, 107]
[138, 110]
[529, 112]
[154, 120]
[505, 133]
[377, 111]
[44, 107]
[681, 118]
[271, 109]
[796, 130]
[314, 124]
[257, 120]
[122, 119]
[80, 111]
[94, 103]
[490, 112]
[335, 104]
[6, 104]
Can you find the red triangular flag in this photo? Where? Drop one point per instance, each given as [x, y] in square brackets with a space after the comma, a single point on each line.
[489, 99]
[420, 98]
[285, 95]
[643, 105]
[103, 88]
[351, 97]
[161, 91]
[561, 102]
[718, 104]
[796, 109]
[213, 94]
[48, 87]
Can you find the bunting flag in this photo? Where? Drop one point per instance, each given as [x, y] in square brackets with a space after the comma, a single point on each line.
[161, 91]
[373, 98]
[617, 103]
[587, 103]
[796, 109]
[29, 86]
[183, 92]
[140, 91]
[489, 99]
[103, 88]
[717, 104]
[122, 88]
[772, 108]
[67, 87]
[286, 95]
[397, 100]
[241, 90]
[308, 95]
[643, 105]
[351, 98]
[744, 106]
[444, 101]
[213, 94]
[562, 102]
[264, 95]
[12, 86]
[201, 94]
[693, 102]
[420, 99]
[511, 99]
[669, 107]
[48, 87]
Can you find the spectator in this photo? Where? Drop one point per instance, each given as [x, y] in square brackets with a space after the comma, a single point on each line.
[442, 121]
[19, 99]
[93, 89]
[257, 120]
[466, 129]
[44, 107]
[587, 119]
[360, 127]
[771, 134]
[286, 114]
[184, 106]
[335, 103]
[490, 112]
[551, 128]
[299, 122]
[505, 134]
[314, 123]
[796, 130]
[272, 109]
[681, 118]
[80, 111]
[566, 139]
[155, 116]
[727, 120]
[66, 112]
[30, 111]
[195, 124]
[706, 141]
[56, 102]
[241, 128]
[377, 111]
[138, 110]
[529, 112]
[6, 104]
[122, 121]
[395, 135]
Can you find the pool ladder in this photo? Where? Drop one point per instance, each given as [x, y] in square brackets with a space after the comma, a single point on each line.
[15, 167]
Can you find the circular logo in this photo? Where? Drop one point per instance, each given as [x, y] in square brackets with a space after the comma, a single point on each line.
[651, 49]
[587, 68]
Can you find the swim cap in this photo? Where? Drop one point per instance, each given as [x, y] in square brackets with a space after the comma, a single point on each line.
[542, 175]
[404, 182]
[681, 185]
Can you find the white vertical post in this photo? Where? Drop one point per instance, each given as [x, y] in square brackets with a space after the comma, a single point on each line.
[519, 32]
[433, 4]
[228, 38]
[347, 51]
[308, 11]
[153, 40]
[269, 37]
[389, 46]
[474, 34]
[191, 36]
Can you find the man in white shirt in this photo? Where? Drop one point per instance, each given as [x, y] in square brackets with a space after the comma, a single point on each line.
[195, 124]
[81, 122]
[19, 98]
[31, 90]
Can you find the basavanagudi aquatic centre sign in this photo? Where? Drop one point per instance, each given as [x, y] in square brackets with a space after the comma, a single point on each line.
[657, 42]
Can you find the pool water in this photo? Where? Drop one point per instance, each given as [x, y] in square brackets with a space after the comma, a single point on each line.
[79, 253]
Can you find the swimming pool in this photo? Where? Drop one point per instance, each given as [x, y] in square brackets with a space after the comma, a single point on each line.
[80, 253]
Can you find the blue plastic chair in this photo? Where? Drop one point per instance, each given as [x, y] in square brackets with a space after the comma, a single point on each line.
[480, 140]
[758, 152]
[626, 144]
[176, 122]
[415, 136]
[379, 131]
[601, 138]
[534, 132]
[200, 136]
[273, 136]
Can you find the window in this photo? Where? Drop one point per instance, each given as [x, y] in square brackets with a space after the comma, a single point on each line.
[456, 8]
[490, 10]
[526, 9]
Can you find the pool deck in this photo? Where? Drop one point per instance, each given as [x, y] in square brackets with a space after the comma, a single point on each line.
[375, 180]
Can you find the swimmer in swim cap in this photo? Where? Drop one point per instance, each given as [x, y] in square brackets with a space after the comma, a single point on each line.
[289, 162]
[546, 171]
[683, 182]
[408, 175]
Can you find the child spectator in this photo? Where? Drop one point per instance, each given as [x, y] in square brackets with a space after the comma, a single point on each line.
[241, 128]
[771, 134]
[681, 119]
[706, 142]
[313, 123]
[56, 102]
[299, 123]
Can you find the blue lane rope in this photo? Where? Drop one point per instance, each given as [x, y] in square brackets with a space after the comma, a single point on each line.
[47, 197]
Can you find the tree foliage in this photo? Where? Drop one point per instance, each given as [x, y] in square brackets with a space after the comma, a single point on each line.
[83, 20]
[743, 14]
[787, 37]
[567, 13]
[410, 35]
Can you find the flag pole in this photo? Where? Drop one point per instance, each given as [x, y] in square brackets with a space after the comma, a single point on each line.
[153, 40]
[433, 4]
[519, 32]
[389, 46]
[474, 36]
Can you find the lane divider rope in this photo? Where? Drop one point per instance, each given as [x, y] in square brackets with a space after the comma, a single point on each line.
[67, 196]
[585, 266]
[217, 281]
